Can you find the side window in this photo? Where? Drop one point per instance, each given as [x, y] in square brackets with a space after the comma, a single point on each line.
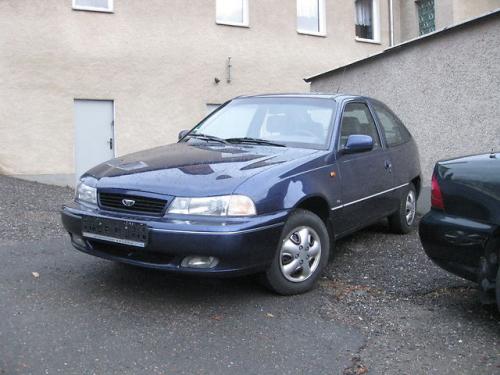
[394, 130]
[357, 119]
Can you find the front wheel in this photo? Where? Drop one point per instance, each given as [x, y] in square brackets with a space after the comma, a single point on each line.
[402, 220]
[302, 254]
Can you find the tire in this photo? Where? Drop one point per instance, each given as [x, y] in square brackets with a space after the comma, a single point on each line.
[497, 289]
[402, 220]
[304, 239]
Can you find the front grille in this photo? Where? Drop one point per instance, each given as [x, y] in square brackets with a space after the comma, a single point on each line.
[142, 205]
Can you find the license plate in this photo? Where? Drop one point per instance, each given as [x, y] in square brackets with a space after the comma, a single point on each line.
[116, 231]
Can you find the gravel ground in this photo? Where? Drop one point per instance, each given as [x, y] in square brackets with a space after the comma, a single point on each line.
[381, 308]
[418, 319]
[29, 210]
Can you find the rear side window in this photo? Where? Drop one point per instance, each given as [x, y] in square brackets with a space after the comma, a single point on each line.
[395, 132]
[358, 120]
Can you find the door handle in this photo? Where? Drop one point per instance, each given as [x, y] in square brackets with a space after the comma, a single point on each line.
[388, 166]
[110, 142]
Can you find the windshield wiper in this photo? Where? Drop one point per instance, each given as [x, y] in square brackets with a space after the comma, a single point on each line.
[206, 137]
[254, 140]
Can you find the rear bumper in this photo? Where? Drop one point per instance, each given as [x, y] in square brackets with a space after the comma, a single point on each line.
[242, 246]
[454, 243]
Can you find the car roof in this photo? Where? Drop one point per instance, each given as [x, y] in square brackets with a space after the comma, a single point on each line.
[336, 96]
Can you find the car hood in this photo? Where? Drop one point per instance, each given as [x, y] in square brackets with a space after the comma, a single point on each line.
[184, 169]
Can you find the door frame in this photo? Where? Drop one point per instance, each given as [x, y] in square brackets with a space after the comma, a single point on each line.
[113, 126]
[339, 158]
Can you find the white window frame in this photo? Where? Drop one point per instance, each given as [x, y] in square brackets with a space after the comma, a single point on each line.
[94, 9]
[322, 20]
[376, 24]
[246, 20]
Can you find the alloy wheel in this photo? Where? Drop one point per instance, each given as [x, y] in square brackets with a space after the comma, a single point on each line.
[410, 207]
[300, 254]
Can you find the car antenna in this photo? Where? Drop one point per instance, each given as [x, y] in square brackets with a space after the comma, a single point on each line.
[341, 79]
[492, 154]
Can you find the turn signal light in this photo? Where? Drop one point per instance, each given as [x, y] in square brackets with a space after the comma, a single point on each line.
[436, 195]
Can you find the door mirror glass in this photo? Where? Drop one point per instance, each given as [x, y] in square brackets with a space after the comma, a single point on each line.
[358, 143]
[182, 134]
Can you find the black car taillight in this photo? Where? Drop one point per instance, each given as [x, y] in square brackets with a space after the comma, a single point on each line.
[436, 195]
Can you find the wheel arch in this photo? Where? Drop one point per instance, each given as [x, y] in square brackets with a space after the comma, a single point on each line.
[417, 182]
[319, 206]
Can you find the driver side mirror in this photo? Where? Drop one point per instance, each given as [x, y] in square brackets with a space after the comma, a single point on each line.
[182, 134]
[358, 143]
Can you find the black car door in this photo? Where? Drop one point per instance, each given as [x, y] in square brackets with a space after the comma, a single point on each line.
[366, 177]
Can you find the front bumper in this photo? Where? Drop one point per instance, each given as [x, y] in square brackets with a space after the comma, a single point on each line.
[242, 245]
[454, 243]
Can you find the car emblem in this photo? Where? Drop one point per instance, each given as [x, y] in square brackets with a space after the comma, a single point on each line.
[128, 202]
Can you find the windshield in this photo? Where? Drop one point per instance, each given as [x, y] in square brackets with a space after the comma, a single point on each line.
[294, 122]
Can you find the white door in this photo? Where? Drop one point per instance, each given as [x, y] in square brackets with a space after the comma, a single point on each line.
[94, 138]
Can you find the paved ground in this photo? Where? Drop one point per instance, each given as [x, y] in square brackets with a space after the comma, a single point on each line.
[381, 308]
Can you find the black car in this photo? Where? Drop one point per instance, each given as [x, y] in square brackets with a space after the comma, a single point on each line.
[461, 233]
[262, 185]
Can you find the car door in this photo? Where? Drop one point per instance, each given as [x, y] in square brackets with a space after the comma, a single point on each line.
[397, 139]
[366, 177]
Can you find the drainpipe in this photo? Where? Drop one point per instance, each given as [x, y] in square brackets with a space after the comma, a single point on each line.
[391, 22]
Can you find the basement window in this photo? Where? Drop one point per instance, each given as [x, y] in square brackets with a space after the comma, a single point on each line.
[212, 107]
[231, 12]
[94, 5]
[311, 17]
[367, 20]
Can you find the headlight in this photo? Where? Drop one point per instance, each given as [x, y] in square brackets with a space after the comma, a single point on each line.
[86, 194]
[225, 205]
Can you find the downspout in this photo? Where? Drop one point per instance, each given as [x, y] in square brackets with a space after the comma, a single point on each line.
[391, 22]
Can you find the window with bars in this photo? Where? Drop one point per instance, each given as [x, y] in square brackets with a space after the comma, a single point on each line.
[426, 16]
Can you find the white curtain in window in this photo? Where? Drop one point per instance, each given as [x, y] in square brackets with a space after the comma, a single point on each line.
[104, 4]
[230, 11]
[364, 12]
[308, 15]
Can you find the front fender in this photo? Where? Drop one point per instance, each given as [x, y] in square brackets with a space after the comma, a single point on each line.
[272, 191]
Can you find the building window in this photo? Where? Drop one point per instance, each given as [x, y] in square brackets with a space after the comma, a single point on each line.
[94, 5]
[231, 12]
[212, 107]
[426, 16]
[311, 17]
[367, 20]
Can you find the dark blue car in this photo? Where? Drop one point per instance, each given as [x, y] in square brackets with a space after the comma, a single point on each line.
[265, 184]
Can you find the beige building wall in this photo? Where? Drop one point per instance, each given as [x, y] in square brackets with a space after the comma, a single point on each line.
[465, 9]
[447, 13]
[157, 60]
